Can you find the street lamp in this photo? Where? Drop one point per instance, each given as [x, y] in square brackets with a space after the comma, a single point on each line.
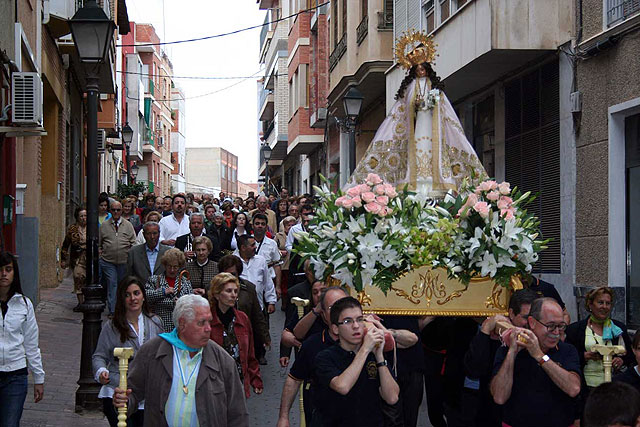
[127, 137]
[92, 32]
[266, 154]
[352, 102]
[134, 171]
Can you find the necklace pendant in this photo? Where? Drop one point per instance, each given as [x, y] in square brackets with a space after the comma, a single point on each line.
[185, 389]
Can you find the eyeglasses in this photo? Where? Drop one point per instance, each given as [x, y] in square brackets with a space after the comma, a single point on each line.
[552, 326]
[349, 321]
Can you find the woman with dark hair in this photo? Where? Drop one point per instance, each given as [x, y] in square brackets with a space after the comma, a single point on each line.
[231, 329]
[74, 253]
[421, 143]
[132, 325]
[18, 346]
[103, 208]
[241, 225]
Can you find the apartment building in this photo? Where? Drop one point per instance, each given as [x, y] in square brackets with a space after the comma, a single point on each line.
[178, 141]
[155, 168]
[273, 91]
[606, 115]
[361, 46]
[210, 170]
[42, 154]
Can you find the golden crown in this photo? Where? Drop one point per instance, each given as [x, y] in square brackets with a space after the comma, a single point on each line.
[421, 49]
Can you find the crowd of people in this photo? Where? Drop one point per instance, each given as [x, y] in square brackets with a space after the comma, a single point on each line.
[190, 284]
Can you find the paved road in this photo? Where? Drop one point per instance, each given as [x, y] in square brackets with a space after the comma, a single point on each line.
[60, 337]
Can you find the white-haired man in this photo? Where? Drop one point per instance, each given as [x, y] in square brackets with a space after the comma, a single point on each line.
[184, 378]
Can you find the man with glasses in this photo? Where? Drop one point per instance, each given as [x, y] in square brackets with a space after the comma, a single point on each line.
[537, 387]
[353, 376]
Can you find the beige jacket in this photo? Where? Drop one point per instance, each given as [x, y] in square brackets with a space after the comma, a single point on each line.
[271, 219]
[114, 246]
[220, 398]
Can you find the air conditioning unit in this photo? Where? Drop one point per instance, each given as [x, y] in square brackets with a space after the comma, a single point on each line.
[26, 99]
[102, 140]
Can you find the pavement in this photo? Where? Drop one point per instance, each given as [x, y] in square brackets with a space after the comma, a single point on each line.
[60, 341]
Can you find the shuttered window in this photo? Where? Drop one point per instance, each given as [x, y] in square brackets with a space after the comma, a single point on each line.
[532, 151]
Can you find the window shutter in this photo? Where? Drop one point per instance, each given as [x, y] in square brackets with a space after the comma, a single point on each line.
[532, 152]
[413, 14]
[399, 18]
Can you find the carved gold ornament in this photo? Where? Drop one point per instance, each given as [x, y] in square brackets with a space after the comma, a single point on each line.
[421, 48]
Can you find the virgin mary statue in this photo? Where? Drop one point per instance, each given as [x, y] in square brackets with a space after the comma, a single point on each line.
[421, 142]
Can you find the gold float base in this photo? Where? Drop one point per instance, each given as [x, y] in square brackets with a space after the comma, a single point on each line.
[430, 292]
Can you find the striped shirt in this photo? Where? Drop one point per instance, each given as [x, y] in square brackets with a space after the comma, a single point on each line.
[180, 409]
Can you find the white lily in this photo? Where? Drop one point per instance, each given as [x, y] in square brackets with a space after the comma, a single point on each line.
[488, 265]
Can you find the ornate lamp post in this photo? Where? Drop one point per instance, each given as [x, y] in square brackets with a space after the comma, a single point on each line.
[134, 171]
[266, 154]
[92, 34]
[352, 102]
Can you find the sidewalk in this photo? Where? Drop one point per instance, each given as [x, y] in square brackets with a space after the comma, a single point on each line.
[60, 342]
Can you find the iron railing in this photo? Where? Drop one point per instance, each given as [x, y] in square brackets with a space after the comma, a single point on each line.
[619, 10]
[362, 30]
[337, 53]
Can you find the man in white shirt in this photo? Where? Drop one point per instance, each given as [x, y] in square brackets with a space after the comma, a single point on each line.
[268, 248]
[256, 271]
[296, 272]
[176, 224]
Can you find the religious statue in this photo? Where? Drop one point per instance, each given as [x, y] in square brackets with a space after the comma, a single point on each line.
[421, 142]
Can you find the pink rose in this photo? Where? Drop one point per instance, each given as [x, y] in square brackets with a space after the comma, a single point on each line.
[507, 213]
[340, 200]
[389, 190]
[504, 188]
[354, 191]
[383, 200]
[373, 179]
[504, 202]
[357, 202]
[379, 189]
[368, 197]
[363, 188]
[493, 195]
[482, 208]
[373, 207]
[492, 185]
[388, 210]
[472, 199]
[347, 203]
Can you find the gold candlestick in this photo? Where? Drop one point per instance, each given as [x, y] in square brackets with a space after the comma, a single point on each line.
[607, 352]
[301, 304]
[123, 355]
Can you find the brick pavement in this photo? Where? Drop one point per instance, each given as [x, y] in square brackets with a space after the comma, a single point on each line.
[60, 341]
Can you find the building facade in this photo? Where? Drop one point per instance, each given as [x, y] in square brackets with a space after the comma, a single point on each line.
[607, 123]
[178, 141]
[210, 170]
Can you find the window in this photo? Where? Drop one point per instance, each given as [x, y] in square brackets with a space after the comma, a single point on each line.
[532, 151]
[334, 18]
[619, 10]
[429, 12]
[224, 171]
[344, 18]
[632, 166]
[445, 10]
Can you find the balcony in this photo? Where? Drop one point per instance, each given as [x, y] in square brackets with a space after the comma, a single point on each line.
[338, 52]
[619, 10]
[385, 21]
[362, 30]
[486, 39]
[266, 105]
[266, 4]
[266, 34]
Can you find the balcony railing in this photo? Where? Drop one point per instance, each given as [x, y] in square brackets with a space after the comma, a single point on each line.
[362, 30]
[337, 53]
[619, 10]
[264, 31]
[385, 20]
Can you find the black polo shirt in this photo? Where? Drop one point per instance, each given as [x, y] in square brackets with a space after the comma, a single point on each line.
[630, 376]
[409, 359]
[303, 367]
[361, 407]
[546, 289]
[535, 399]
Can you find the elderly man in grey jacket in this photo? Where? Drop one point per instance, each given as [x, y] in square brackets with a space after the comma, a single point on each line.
[184, 378]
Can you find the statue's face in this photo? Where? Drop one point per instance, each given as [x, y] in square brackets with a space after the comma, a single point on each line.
[421, 71]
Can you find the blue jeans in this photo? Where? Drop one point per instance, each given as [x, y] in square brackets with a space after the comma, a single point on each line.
[13, 392]
[112, 274]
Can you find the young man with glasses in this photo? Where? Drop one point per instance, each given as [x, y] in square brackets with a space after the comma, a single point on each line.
[353, 376]
[537, 387]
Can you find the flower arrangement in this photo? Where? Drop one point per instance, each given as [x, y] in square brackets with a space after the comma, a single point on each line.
[373, 234]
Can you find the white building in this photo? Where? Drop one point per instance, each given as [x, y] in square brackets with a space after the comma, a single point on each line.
[178, 139]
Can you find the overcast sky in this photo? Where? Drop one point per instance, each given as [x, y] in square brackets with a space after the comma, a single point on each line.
[227, 119]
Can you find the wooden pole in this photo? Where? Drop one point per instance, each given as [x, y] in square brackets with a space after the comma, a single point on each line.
[123, 355]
